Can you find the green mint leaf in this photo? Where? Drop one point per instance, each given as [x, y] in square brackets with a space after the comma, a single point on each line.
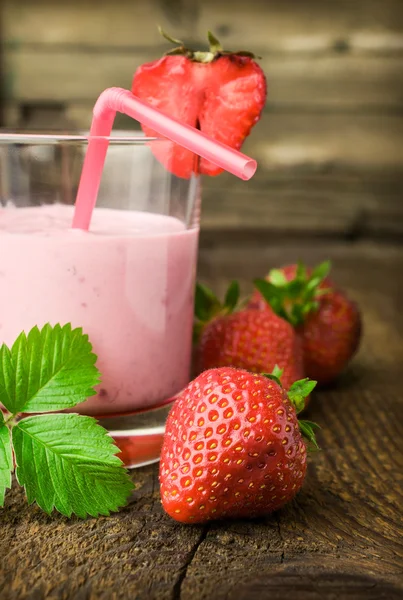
[308, 431]
[6, 459]
[47, 370]
[68, 462]
[299, 391]
[232, 297]
[277, 277]
[206, 303]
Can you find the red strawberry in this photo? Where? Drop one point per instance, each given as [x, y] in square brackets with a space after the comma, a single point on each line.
[252, 340]
[327, 321]
[233, 446]
[248, 339]
[221, 93]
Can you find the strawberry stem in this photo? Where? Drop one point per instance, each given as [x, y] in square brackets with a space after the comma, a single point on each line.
[207, 306]
[201, 56]
[169, 38]
[215, 46]
[294, 299]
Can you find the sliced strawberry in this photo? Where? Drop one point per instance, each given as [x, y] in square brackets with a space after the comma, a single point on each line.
[233, 103]
[218, 92]
[166, 84]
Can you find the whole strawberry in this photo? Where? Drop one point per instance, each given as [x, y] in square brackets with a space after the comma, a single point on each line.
[327, 321]
[221, 93]
[248, 339]
[233, 446]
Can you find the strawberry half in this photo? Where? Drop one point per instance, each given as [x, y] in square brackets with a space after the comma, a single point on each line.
[233, 446]
[221, 93]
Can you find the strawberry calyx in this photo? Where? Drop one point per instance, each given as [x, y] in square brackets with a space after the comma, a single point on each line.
[207, 306]
[294, 299]
[296, 394]
[215, 49]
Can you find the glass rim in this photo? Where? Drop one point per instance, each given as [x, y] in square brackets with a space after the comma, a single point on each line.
[120, 137]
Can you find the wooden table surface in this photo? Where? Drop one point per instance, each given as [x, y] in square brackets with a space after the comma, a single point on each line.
[340, 538]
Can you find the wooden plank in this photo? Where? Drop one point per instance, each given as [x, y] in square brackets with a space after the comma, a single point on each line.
[96, 22]
[296, 210]
[340, 538]
[292, 26]
[336, 82]
[312, 27]
[323, 143]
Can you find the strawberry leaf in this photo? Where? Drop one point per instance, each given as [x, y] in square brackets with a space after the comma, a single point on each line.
[47, 370]
[293, 300]
[206, 303]
[273, 295]
[6, 459]
[301, 271]
[308, 431]
[215, 46]
[277, 372]
[68, 462]
[169, 38]
[321, 271]
[278, 278]
[232, 296]
[299, 391]
[273, 378]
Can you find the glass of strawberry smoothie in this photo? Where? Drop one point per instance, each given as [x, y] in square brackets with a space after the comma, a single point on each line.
[128, 281]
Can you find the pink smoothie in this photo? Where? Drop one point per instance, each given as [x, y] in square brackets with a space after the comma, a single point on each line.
[128, 283]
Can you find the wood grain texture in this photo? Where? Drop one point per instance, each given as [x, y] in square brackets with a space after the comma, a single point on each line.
[336, 83]
[340, 538]
[289, 26]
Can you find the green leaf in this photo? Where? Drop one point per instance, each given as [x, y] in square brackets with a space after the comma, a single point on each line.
[277, 372]
[68, 462]
[168, 37]
[293, 300]
[308, 431]
[206, 302]
[50, 369]
[273, 378]
[273, 295]
[232, 296]
[299, 391]
[322, 270]
[6, 459]
[301, 271]
[8, 380]
[277, 277]
[215, 46]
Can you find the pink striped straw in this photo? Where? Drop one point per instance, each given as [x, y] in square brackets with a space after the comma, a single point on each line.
[115, 100]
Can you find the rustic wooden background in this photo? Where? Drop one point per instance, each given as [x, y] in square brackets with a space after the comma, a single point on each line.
[330, 144]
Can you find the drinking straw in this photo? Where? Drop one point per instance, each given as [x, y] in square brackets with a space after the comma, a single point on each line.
[114, 100]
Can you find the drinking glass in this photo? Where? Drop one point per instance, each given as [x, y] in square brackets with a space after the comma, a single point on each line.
[128, 282]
